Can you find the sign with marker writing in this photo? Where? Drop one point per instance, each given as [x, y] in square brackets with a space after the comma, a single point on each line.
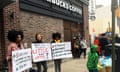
[41, 52]
[21, 60]
[49, 51]
[61, 50]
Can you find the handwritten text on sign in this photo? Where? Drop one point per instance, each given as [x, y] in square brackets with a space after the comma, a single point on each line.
[61, 50]
[41, 52]
[49, 51]
[21, 60]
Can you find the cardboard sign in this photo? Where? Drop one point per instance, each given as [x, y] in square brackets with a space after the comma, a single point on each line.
[21, 60]
[61, 50]
[49, 51]
[41, 52]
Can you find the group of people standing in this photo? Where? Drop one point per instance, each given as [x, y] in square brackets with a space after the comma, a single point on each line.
[16, 43]
[80, 47]
[98, 48]
[102, 41]
[99, 57]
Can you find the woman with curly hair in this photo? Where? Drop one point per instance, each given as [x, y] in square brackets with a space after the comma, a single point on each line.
[15, 37]
[57, 62]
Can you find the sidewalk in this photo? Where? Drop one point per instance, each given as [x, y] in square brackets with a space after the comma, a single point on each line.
[71, 65]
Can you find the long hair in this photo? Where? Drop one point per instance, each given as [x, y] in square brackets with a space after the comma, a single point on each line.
[37, 35]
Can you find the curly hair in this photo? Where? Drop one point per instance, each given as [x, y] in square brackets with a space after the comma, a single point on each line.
[13, 34]
[55, 35]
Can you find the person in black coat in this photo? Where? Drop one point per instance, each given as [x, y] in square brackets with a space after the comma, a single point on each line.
[103, 41]
[117, 39]
[57, 62]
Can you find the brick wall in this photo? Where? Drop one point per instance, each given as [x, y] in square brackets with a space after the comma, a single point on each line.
[86, 24]
[11, 19]
[31, 23]
[6, 24]
[1, 23]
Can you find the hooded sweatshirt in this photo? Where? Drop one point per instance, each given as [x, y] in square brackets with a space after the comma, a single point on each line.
[92, 58]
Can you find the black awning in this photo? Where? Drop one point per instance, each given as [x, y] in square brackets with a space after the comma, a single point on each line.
[45, 8]
[5, 2]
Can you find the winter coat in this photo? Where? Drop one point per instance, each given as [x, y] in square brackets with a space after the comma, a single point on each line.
[92, 58]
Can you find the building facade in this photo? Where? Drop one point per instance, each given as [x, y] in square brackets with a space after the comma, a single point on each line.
[92, 9]
[46, 16]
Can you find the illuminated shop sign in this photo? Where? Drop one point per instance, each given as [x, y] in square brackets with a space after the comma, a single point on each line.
[66, 5]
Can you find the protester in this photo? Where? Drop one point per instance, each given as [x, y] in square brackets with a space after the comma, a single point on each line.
[92, 59]
[57, 39]
[38, 38]
[15, 37]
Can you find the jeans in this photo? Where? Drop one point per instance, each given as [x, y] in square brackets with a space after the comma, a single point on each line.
[57, 65]
[44, 64]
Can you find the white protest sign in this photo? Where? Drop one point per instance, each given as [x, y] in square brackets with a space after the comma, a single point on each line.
[61, 50]
[21, 60]
[41, 52]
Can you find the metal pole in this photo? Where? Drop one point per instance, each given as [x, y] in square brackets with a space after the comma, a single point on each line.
[114, 6]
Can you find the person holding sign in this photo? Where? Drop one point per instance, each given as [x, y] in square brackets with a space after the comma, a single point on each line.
[43, 63]
[15, 37]
[56, 39]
